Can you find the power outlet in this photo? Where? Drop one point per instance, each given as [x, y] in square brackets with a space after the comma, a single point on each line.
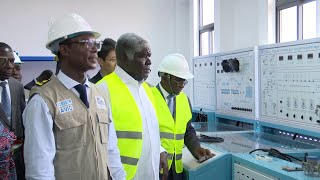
[244, 173]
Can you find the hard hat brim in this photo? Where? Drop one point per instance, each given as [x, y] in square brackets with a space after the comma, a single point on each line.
[54, 44]
[184, 75]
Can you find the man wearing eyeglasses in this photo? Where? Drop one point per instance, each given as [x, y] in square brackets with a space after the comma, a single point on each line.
[12, 105]
[106, 59]
[175, 117]
[69, 134]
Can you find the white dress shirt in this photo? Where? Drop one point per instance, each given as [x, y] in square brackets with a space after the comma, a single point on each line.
[39, 147]
[148, 165]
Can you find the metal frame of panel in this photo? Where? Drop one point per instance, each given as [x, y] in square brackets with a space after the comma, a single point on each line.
[242, 172]
[238, 102]
[204, 82]
[290, 84]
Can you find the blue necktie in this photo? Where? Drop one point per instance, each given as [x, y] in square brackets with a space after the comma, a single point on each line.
[5, 100]
[82, 89]
[170, 103]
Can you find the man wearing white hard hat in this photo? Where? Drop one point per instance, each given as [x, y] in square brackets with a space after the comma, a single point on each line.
[175, 117]
[68, 131]
[16, 72]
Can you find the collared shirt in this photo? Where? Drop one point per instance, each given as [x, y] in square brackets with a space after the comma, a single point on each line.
[8, 89]
[148, 165]
[164, 93]
[39, 147]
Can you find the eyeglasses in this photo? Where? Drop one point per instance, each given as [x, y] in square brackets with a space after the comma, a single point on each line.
[4, 60]
[111, 59]
[90, 44]
[180, 81]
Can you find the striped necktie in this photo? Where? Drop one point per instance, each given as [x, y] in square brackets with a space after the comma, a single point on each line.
[5, 100]
[82, 89]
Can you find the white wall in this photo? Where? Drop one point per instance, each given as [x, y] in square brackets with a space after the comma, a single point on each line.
[318, 18]
[165, 23]
[242, 23]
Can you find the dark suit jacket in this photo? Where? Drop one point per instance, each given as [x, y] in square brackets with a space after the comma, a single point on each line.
[96, 78]
[17, 106]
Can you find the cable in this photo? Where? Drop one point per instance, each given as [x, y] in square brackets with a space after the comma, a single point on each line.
[205, 138]
[277, 154]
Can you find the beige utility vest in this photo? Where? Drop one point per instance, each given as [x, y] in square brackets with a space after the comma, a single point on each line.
[81, 134]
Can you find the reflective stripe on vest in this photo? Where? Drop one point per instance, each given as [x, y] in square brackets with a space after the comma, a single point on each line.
[172, 131]
[129, 135]
[171, 136]
[127, 121]
[170, 156]
[129, 160]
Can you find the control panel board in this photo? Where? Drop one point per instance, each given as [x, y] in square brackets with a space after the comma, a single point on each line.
[290, 84]
[235, 83]
[204, 82]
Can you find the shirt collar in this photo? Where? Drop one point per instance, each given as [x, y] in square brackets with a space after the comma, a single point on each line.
[6, 80]
[163, 91]
[68, 82]
[126, 78]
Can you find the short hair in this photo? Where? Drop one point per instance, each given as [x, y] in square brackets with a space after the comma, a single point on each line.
[108, 45]
[128, 44]
[4, 46]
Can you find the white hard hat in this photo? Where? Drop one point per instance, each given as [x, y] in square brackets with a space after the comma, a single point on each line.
[17, 60]
[177, 65]
[66, 27]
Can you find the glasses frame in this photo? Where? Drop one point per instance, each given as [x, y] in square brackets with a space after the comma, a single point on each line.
[90, 44]
[182, 82]
[6, 61]
[110, 60]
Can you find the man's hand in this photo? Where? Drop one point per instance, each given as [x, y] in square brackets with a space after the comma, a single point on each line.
[201, 152]
[163, 166]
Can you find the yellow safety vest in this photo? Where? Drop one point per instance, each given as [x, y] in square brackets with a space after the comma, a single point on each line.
[172, 131]
[127, 121]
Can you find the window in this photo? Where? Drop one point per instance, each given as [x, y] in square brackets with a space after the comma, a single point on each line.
[296, 19]
[206, 26]
[309, 20]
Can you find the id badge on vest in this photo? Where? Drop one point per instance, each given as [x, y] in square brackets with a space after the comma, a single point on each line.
[65, 106]
[101, 104]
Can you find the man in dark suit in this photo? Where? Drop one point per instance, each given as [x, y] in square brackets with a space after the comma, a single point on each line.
[12, 103]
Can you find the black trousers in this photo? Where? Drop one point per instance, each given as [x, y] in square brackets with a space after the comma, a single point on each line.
[19, 162]
[173, 175]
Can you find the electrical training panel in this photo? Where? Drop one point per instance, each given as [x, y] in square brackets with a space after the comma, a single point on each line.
[290, 84]
[235, 83]
[204, 82]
